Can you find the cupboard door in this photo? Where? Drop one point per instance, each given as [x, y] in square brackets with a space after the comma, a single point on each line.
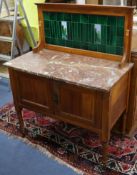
[78, 105]
[34, 91]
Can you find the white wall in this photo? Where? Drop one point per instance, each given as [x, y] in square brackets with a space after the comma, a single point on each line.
[10, 2]
[114, 2]
[91, 1]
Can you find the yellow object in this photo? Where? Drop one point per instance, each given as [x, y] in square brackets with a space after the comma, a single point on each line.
[32, 15]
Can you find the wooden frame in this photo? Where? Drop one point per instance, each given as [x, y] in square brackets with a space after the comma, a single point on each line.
[127, 12]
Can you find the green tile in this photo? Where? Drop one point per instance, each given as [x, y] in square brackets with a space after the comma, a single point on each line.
[55, 35]
[112, 20]
[75, 32]
[120, 21]
[93, 19]
[120, 31]
[67, 17]
[46, 24]
[52, 41]
[111, 35]
[58, 30]
[101, 48]
[75, 44]
[69, 43]
[46, 16]
[59, 42]
[53, 28]
[119, 50]
[47, 33]
[60, 16]
[75, 18]
[84, 32]
[47, 40]
[104, 35]
[69, 29]
[108, 34]
[90, 32]
[53, 16]
[92, 47]
[84, 46]
[62, 42]
[102, 20]
[120, 41]
[84, 18]
[111, 49]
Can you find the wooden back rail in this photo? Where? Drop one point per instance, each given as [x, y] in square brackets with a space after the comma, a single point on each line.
[126, 12]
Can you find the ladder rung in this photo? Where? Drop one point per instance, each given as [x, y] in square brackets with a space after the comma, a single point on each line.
[5, 57]
[11, 8]
[11, 18]
[6, 39]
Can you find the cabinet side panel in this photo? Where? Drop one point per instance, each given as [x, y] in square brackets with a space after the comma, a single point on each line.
[119, 99]
[132, 110]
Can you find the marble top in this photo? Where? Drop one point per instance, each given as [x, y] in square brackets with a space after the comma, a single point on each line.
[76, 69]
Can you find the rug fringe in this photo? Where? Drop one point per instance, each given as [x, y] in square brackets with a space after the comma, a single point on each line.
[42, 150]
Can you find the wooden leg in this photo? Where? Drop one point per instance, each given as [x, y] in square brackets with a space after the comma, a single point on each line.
[21, 122]
[124, 119]
[104, 152]
[105, 134]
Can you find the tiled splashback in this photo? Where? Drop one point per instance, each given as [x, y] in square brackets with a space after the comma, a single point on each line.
[89, 32]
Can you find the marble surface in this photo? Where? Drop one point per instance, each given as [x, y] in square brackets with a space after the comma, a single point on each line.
[76, 69]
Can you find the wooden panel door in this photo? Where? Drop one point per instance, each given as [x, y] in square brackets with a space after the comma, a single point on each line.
[77, 105]
[32, 92]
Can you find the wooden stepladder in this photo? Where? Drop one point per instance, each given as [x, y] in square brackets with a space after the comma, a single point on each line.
[12, 19]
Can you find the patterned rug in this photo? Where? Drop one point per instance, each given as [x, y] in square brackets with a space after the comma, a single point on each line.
[76, 146]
